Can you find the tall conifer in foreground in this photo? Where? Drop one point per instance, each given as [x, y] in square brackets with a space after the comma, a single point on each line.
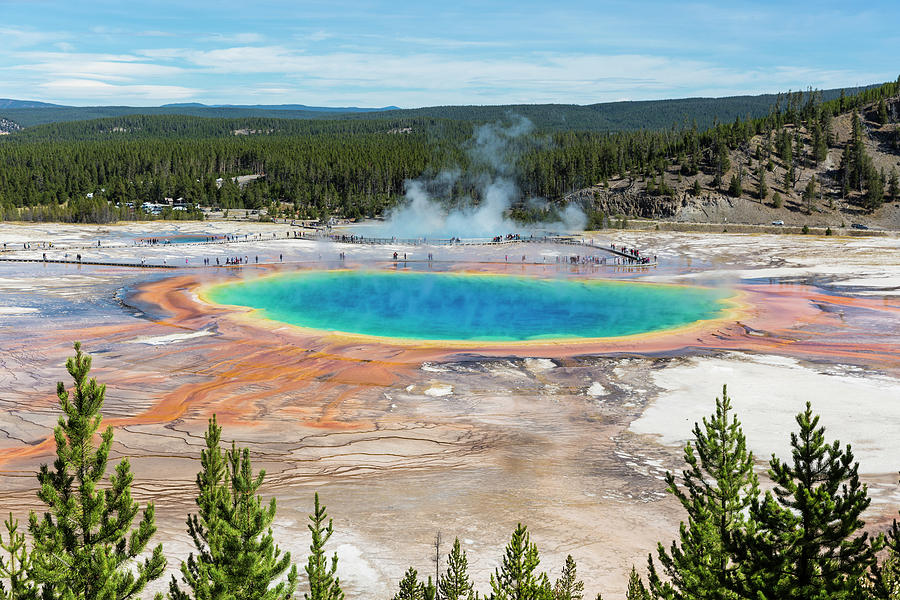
[237, 558]
[636, 589]
[84, 545]
[808, 544]
[885, 576]
[517, 577]
[202, 574]
[719, 487]
[14, 566]
[568, 587]
[410, 587]
[455, 583]
[323, 582]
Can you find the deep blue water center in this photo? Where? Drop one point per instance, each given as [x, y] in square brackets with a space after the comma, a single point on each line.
[448, 306]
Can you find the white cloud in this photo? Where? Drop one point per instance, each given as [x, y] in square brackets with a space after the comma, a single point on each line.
[431, 78]
[235, 38]
[95, 66]
[90, 89]
[11, 37]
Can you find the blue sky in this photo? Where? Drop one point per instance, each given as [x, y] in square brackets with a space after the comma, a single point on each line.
[340, 53]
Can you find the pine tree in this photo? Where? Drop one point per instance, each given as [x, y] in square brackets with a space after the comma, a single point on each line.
[885, 575]
[455, 583]
[636, 589]
[894, 186]
[762, 191]
[568, 587]
[809, 194]
[516, 578]
[237, 558]
[410, 587]
[808, 541]
[85, 546]
[874, 190]
[202, 573]
[882, 112]
[734, 188]
[15, 570]
[719, 487]
[323, 583]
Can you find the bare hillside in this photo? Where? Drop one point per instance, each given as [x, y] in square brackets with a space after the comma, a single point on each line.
[695, 198]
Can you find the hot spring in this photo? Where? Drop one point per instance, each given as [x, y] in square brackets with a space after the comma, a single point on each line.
[469, 307]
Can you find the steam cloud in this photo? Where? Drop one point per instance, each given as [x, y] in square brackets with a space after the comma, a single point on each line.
[430, 210]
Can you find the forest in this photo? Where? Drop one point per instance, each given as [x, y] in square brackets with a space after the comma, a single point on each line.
[607, 116]
[805, 538]
[357, 167]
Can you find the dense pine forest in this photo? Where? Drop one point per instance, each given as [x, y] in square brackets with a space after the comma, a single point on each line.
[805, 538]
[607, 116]
[104, 169]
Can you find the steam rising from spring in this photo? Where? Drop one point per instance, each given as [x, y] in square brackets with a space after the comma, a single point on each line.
[430, 210]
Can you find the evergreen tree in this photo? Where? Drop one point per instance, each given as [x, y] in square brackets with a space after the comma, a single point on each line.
[809, 194]
[762, 191]
[882, 112]
[237, 558]
[323, 583]
[808, 542]
[516, 578]
[885, 576]
[455, 583]
[568, 587]
[636, 589]
[894, 186]
[695, 190]
[734, 188]
[85, 546]
[719, 487]
[14, 571]
[410, 587]
[203, 574]
[875, 191]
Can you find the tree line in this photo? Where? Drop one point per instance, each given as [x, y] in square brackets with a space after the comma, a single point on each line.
[803, 539]
[358, 167]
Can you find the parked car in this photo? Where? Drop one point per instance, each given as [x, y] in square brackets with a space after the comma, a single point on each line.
[777, 222]
[858, 226]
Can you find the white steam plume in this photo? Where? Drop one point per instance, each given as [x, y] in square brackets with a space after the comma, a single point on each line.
[491, 149]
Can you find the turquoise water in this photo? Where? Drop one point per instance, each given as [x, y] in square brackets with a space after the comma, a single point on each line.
[469, 307]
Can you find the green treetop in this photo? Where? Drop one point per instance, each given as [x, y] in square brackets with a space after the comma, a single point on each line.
[568, 587]
[455, 583]
[237, 558]
[323, 581]
[719, 486]
[517, 577]
[636, 589]
[84, 546]
[14, 571]
[808, 542]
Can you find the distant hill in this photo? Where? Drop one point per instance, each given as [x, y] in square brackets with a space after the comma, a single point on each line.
[294, 107]
[607, 116]
[9, 103]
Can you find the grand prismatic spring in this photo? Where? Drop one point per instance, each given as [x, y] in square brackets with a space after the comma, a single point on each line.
[469, 307]
[460, 388]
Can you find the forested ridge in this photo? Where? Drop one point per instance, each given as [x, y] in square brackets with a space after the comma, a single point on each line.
[804, 539]
[357, 167]
[605, 116]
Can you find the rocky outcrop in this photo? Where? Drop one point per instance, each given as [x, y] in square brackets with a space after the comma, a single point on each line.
[628, 202]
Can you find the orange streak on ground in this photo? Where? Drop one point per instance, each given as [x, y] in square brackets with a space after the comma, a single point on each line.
[253, 361]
